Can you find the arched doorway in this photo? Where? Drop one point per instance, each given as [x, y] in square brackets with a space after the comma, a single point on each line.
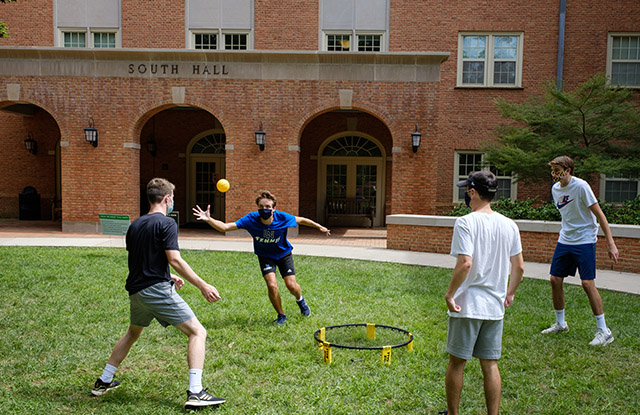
[351, 164]
[205, 166]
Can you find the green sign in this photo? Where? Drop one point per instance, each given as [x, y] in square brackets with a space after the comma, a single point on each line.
[114, 224]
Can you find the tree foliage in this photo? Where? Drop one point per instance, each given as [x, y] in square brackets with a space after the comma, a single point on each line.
[597, 125]
[4, 31]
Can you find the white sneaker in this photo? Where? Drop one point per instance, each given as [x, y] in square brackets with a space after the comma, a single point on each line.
[602, 338]
[556, 328]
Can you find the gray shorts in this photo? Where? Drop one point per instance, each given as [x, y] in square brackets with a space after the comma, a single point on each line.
[468, 337]
[160, 301]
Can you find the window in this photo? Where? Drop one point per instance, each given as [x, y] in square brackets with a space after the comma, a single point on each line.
[618, 189]
[623, 60]
[338, 43]
[490, 60]
[206, 40]
[235, 41]
[365, 42]
[467, 162]
[77, 38]
[369, 43]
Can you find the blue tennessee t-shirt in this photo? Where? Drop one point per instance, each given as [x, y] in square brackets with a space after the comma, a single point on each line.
[269, 240]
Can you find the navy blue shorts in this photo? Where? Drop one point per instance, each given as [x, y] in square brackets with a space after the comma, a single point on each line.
[284, 264]
[568, 258]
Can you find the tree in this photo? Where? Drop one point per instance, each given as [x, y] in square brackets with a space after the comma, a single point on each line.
[3, 27]
[597, 125]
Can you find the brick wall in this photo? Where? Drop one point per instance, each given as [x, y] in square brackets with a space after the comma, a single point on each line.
[536, 246]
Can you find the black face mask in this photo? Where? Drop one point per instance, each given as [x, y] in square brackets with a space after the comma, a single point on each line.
[467, 199]
[265, 213]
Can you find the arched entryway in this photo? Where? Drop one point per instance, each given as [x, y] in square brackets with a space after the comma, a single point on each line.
[205, 166]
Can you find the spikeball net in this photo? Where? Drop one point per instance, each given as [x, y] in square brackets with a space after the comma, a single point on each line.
[362, 336]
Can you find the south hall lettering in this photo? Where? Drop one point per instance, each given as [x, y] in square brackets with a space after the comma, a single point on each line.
[175, 69]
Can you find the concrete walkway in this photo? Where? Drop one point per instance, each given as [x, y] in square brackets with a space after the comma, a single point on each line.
[364, 244]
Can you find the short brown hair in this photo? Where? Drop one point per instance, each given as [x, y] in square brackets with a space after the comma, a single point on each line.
[265, 194]
[157, 189]
[563, 161]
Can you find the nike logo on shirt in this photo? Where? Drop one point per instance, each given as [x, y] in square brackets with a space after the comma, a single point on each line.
[564, 202]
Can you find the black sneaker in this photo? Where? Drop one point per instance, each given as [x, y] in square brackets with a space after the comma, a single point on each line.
[200, 399]
[304, 308]
[282, 318]
[100, 387]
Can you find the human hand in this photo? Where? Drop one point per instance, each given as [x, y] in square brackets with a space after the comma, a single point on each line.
[177, 281]
[451, 305]
[613, 252]
[200, 214]
[210, 293]
[508, 300]
[324, 230]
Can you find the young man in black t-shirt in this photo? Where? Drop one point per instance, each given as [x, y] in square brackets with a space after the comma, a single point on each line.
[152, 243]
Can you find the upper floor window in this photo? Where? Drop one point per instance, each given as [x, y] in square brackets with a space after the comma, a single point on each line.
[618, 189]
[205, 40]
[85, 38]
[623, 59]
[470, 161]
[354, 25]
[220, 24]
[75, 39]
[490, 60]
[208, 40]
[87, 23]
[104, 40]
[235, 41]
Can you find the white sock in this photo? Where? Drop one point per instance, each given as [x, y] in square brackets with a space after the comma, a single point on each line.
[107, 374]
[300, 299]
[560, 317]
[195, 380]
[601, 324]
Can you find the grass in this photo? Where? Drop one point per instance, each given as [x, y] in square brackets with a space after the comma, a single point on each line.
[63, 309]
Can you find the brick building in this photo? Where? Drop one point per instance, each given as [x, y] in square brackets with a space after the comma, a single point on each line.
[179, 89]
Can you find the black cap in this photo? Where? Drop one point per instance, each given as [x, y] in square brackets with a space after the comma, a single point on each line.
[480, 180]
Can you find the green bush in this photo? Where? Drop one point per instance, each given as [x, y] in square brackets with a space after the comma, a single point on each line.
[628, 213]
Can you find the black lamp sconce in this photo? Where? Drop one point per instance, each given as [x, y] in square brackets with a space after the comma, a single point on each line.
[415, 139]
[152, 147]
[30, 144]
[91, 134]
[260, 137]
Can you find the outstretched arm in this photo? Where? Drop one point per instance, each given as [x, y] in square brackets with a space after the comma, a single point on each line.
[204, 216]
[308, 222]
[604, 224]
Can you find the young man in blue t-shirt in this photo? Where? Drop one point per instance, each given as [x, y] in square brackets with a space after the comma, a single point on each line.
[268, 228]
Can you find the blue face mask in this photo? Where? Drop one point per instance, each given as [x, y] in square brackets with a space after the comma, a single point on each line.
[265, 213]
[467, 199]
[171, 207]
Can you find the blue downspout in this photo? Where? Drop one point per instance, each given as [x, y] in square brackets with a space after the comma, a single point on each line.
[561, 26]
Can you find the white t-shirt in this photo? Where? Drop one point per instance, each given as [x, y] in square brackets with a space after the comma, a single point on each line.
[490, 240]
[579, 224]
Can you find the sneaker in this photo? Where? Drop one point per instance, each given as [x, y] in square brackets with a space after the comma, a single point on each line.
[100, 387]
[602, 338]
[200, 399]
[304, 308]
[556, 328]
[282, 318]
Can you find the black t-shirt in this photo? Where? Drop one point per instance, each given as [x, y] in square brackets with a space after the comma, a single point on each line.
[147, 239]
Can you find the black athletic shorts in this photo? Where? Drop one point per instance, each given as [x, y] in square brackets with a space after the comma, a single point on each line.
[284, 264]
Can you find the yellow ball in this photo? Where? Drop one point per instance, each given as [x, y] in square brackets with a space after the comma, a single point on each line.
[223, 185]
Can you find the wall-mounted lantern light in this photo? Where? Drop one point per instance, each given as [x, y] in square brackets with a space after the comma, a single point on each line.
[91, 134]
[30, 144]
[152, 147]
[260, 137]
[415, 139]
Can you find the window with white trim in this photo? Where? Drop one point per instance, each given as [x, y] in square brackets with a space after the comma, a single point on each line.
[470, 161]
[89, 38]
[210, 40]
[623, 59]
[365, 42]
[490, 60]
[618, 189]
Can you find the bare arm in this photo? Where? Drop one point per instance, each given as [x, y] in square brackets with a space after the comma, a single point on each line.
[209, 292]
[604, 224]
[517, 271]
[308, 222]
[460, 272]
[204, 216]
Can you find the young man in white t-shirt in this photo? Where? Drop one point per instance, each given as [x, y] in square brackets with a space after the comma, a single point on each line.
[576, 247]
[488, 248]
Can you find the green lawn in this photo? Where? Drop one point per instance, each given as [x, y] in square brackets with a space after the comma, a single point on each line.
[63, 309]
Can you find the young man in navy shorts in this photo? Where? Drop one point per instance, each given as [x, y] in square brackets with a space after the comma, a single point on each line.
[576, 247]
[268, 228]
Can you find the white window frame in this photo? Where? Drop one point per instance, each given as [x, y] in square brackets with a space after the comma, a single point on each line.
[610, 55]
[88, 33]
[603, 186]
[220, 33]
[489, 59]
[353, 36]
[457, 177]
